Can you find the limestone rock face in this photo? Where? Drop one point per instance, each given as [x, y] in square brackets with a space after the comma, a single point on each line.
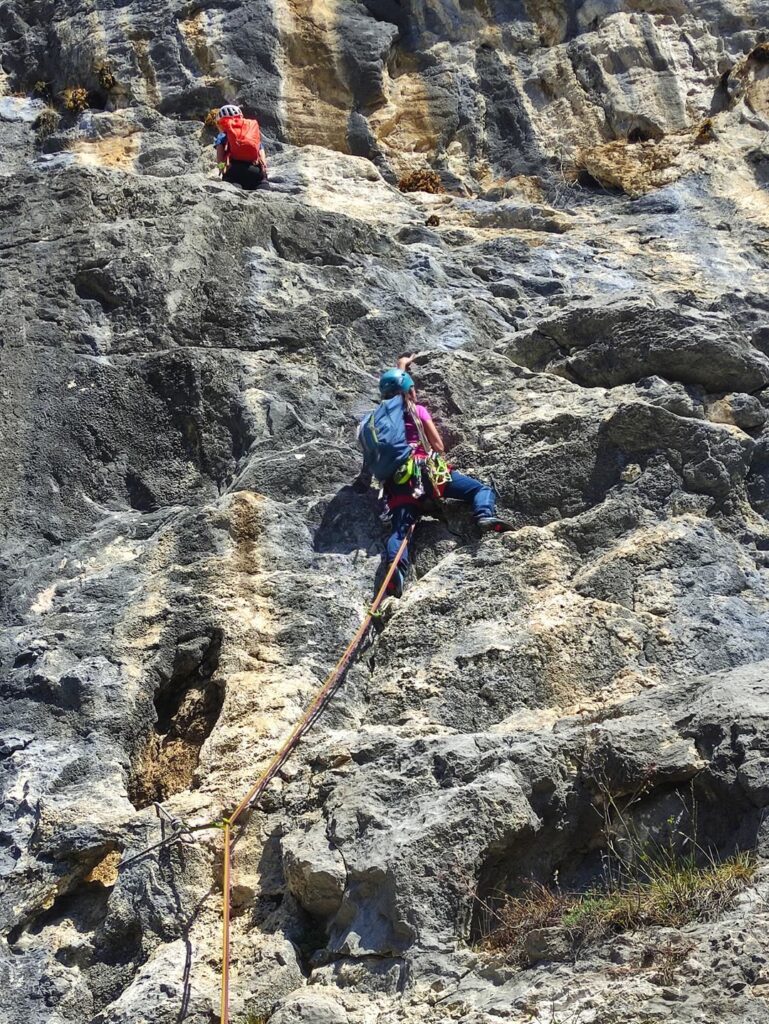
[185, 550]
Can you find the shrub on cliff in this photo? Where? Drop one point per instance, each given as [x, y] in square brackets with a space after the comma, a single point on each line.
[46, 124]
[75, 99]
[421, 181]
[105, 77]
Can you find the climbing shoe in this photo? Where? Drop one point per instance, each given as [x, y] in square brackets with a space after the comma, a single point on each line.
[491, 524]
[395, 586]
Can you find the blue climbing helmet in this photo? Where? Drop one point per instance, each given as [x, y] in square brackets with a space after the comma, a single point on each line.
[394, 382]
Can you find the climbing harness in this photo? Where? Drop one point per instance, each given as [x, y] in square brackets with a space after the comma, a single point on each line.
[310, 716]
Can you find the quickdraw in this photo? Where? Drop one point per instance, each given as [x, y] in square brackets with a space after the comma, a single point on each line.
[438, 471]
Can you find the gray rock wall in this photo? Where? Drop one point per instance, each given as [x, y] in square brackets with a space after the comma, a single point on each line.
[183, 555]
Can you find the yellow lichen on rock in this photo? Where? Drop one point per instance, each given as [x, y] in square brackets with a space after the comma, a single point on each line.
[141, 48]
[551, 18]
[632, 168]
[406, 127]
[757, 79]
[316, 95]
[106, 870]
[195, 31]
[118, 154]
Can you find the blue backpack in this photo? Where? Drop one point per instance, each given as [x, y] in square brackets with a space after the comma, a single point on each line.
[382, 436]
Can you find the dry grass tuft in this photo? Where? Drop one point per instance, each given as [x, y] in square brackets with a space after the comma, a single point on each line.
[41, 90]
[665, 960]
[422, 181]
[538, 907]
[760, 53]
[46, 124]
[705, 132]
[672, 892]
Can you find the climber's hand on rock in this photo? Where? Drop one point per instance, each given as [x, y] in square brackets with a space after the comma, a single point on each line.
[407, 358]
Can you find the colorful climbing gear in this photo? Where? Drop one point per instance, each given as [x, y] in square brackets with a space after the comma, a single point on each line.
[244, 137]
[406, 471]
[438, 471]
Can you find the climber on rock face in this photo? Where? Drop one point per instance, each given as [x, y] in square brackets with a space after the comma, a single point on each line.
[403, 450]
[239, 151]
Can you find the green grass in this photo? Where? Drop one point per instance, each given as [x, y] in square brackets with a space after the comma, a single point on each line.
[671, 891]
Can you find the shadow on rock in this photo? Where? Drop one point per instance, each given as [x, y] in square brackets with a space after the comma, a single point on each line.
[349, 523]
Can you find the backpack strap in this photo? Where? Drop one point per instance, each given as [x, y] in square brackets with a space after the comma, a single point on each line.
[437, 468]
[412, 413]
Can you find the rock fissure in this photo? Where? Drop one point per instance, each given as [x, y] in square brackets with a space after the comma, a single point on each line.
[187, 705]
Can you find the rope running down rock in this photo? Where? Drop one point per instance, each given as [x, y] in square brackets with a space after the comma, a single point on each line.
[306, 722]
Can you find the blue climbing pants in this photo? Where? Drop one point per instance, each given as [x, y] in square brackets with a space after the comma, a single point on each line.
[462, 488]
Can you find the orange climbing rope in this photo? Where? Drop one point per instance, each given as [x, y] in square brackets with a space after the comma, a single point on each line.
[305, 723]
[226, 886]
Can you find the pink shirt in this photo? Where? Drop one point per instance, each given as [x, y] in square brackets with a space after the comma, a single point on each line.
[412, 435]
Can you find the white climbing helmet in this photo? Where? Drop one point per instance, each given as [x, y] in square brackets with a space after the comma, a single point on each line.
[230, 110]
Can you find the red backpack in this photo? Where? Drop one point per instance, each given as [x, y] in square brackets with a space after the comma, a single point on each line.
[244, 138]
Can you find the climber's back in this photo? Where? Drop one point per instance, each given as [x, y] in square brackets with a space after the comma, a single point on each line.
[239, 150]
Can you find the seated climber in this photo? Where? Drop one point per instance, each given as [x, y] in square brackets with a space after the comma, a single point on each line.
[239, 151]
[414, 474]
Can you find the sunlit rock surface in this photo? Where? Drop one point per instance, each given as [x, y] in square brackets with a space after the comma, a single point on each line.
[183, 555]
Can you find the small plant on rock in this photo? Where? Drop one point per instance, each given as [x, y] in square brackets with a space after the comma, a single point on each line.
[668, 883]
[46, 124]
[105, 77]
[705, 132]
[252, 1017]
[422, 181]
[538, 906]
[672, 893]
[665, 960]
[41, 90]
[211, 118]
[75, 99]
